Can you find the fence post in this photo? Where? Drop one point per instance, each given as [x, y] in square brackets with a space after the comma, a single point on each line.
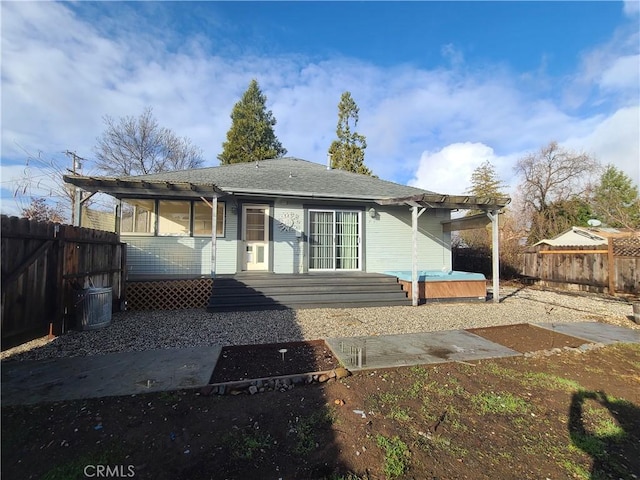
[59, 290]
[611, 266]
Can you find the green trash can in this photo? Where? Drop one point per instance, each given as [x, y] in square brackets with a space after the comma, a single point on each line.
[93, 308]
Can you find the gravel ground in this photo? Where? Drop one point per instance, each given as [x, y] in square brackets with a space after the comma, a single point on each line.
[137, 331]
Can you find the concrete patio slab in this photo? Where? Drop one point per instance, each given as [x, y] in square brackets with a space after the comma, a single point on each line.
[107, 375]
[129, 373]
[385, 351]
[595, 332]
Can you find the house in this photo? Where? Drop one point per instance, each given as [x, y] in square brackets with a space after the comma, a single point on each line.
[283, 216]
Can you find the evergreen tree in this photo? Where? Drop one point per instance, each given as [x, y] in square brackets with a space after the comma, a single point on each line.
[251, 136]
[347, 152]
[615, 199]
[485, 183]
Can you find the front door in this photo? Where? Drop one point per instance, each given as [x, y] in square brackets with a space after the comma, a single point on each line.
[334, 240]
[255, 236]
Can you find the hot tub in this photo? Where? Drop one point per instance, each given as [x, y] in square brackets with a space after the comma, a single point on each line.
[448, 285]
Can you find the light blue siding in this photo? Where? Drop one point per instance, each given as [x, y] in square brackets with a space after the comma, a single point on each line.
[389, 246]
[288, 247]
[167, 256]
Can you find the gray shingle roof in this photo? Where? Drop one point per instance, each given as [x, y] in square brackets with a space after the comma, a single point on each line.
[287, 177]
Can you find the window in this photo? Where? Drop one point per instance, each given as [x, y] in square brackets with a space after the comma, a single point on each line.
[173, 217]
[202, 219]
[138, 217]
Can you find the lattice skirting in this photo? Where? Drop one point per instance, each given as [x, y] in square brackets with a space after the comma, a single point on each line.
[169, 294]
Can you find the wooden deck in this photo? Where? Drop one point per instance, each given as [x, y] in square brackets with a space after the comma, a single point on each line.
[260, 291]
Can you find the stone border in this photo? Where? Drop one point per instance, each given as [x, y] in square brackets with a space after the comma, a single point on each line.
[280, 383]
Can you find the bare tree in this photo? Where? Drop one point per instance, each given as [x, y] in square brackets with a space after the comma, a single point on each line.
[551, 180]
[137, 146]
[41, 183]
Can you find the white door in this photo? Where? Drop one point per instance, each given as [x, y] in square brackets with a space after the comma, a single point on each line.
[334, 240]
[255, 219]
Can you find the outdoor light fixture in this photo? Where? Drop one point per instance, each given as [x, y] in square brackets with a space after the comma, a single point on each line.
[372, 212]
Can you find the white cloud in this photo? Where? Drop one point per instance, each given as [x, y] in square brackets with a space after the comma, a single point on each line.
[449, 170]
[631, 7]
[623, 73]
[615, 140]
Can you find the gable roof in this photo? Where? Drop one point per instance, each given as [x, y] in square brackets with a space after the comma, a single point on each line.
[579, 236]
[282, 177]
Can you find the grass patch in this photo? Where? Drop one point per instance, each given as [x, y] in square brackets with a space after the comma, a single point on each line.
[499, 403]
[244, 444]
[396, 456]
[74, 469]
[555, 382]
[382, 400]
[441, 443]
[305, 428]
[537, 379]
[416, 389]
[449, 389]
[398, 413]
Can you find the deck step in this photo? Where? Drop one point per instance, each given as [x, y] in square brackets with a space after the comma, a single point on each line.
[270, 291]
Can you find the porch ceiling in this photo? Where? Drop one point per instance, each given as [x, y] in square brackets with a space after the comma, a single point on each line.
[142, 188]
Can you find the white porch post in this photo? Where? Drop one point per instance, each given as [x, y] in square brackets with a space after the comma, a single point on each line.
[214, 234]
[414, 261]
[415, 214]
[495, 253]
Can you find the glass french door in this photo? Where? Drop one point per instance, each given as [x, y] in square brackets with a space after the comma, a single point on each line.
[334, 240]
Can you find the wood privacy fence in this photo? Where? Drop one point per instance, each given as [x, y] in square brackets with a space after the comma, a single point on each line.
[612, 268]
[44, 265]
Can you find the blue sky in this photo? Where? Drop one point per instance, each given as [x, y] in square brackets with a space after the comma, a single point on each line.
[441, 86]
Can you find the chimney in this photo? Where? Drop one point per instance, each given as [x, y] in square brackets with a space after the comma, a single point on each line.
[328, 161]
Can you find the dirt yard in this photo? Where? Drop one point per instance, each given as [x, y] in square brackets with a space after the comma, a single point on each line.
[574, 414]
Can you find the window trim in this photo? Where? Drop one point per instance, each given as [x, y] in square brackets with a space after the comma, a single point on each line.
[224, 221]
[156, 220]
[154, 227]
[189, 222]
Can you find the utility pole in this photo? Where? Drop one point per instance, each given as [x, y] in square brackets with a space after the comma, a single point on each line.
[76, 197]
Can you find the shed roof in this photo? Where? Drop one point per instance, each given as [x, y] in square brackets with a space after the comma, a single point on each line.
[579, 236]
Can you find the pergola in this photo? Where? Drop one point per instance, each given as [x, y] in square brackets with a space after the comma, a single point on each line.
[490, 206]
[119, 188]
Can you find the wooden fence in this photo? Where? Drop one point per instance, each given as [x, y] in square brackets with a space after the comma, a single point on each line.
[44, 265]
[612, 268]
